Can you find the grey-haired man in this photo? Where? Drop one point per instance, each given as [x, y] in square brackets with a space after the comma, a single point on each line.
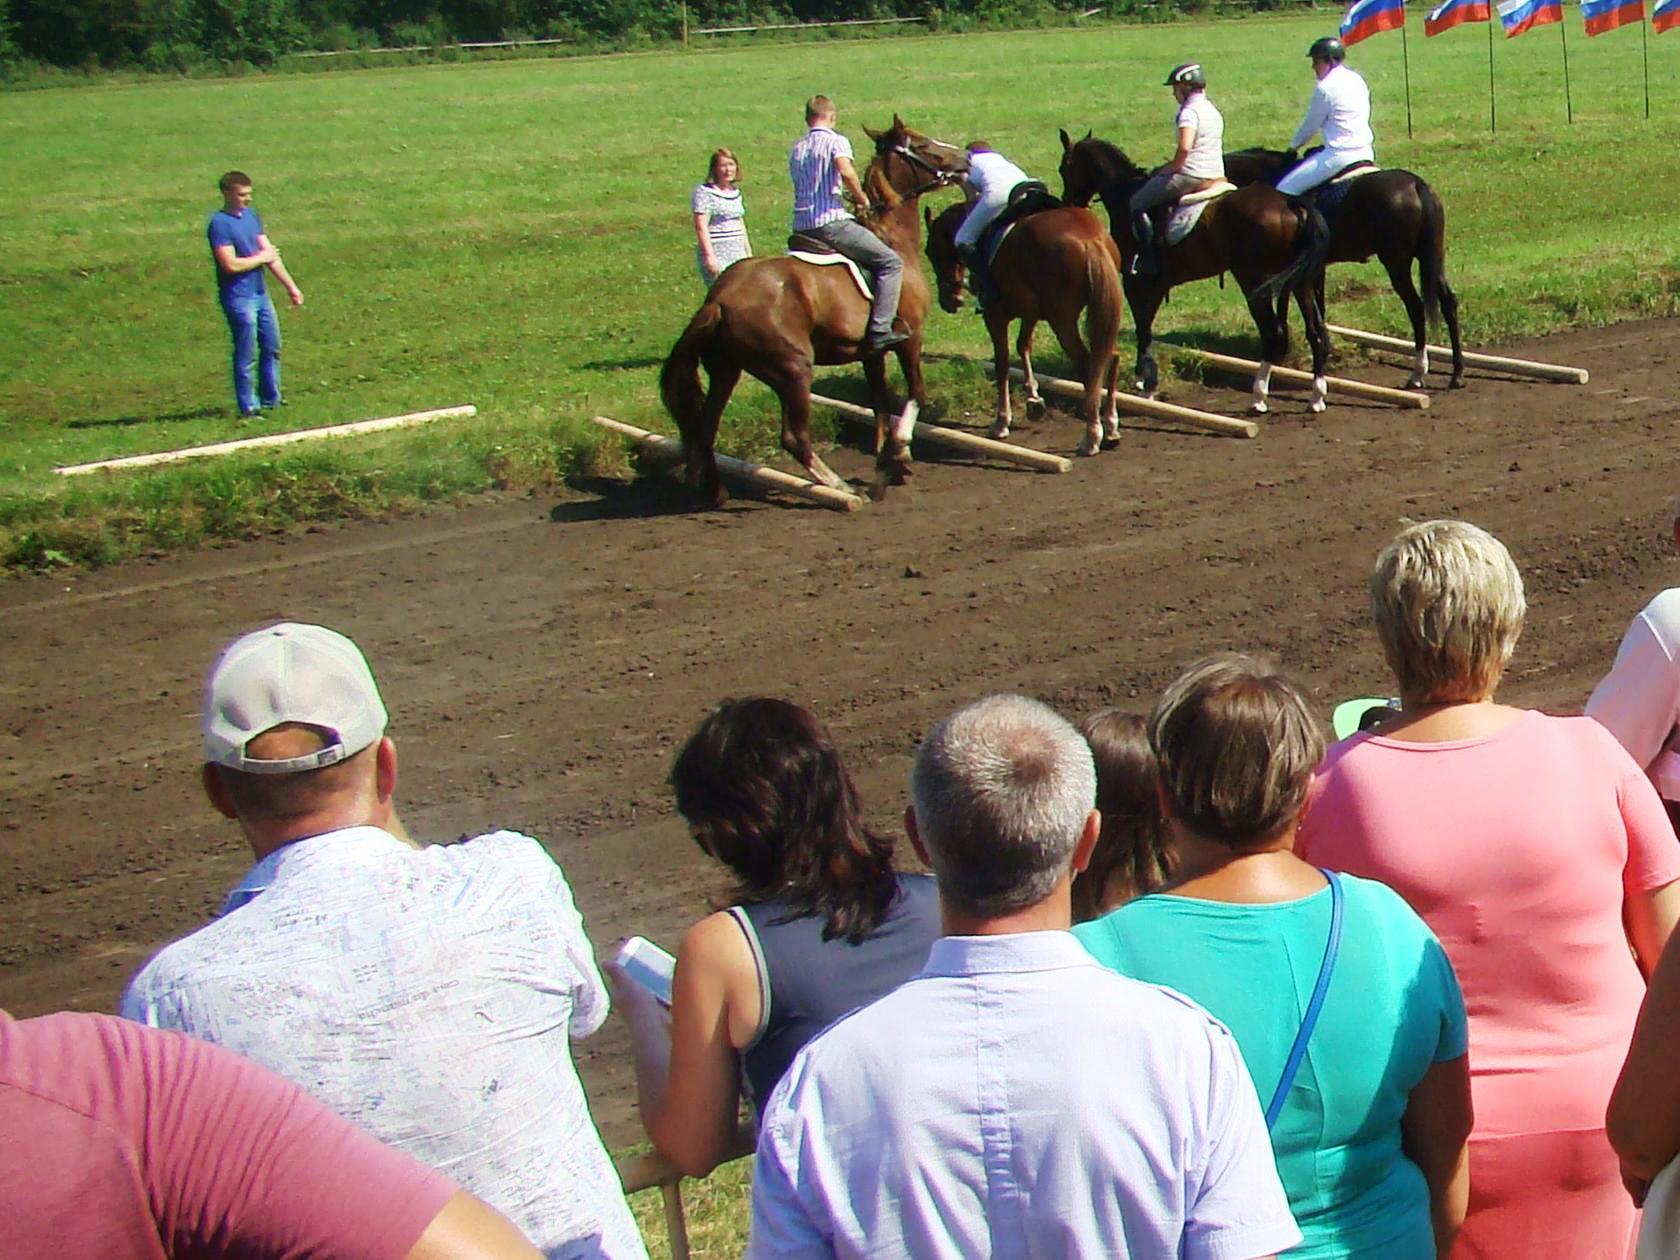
[424, 993]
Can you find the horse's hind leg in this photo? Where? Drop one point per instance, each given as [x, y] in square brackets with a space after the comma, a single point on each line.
[1090, 374]
[1449, 316]
[1274, 346]
[1023, 349]
[1400, 277]
[1145, 299]
[892, 435]
[793, 387]
[1318, 337]
[701, 470]
[997, 327]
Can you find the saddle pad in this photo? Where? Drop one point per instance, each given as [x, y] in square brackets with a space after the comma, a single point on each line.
[994, 239]
[835, 260]
[1188, 212]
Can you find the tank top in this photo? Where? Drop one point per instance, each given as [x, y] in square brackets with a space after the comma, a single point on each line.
[806, 983]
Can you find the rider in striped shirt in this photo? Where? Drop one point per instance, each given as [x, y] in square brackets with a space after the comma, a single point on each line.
[820, 166]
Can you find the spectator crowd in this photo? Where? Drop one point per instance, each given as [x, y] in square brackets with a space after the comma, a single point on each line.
[1187, 983]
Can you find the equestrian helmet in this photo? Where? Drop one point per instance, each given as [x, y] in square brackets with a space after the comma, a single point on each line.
[1188, 73]
[1327, 49]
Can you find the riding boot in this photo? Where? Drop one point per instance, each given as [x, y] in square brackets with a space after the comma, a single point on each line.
[1145, 262]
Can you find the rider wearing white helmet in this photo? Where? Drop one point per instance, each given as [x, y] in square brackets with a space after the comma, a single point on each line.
[1341, 109]
[1199, 159]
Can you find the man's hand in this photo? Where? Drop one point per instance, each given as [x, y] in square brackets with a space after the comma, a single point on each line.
[296, 294]
[265, 256]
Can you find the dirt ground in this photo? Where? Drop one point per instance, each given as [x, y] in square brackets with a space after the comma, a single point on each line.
[541, 658]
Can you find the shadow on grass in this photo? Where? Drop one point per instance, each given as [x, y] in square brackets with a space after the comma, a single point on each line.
[114, 422]
[607, 365]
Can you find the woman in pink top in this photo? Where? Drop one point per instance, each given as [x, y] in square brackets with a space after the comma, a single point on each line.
[1539, 853]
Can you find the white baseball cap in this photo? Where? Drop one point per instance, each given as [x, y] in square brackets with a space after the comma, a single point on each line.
[291, 673]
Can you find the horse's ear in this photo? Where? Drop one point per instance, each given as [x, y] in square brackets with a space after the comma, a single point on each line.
[1067, 143]
[1089, 133]
[872, 133]
[898, 123]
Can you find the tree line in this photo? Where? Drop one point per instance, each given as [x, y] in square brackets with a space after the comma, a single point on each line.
[184, 34]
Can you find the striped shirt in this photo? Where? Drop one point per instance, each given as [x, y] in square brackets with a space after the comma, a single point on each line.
[816, 180]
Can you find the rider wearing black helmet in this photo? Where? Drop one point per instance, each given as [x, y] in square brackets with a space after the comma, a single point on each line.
[1200, 158]
[1341, 109]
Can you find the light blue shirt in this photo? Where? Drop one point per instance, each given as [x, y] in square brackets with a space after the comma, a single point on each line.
[816, 179]
[427, 995]
[1017, 1099]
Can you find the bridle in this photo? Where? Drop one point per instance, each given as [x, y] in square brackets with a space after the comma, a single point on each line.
[942, 178]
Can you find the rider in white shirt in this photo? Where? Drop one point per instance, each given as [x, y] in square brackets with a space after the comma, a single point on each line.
[1199, 159]
[1341, 109]
[991, 178]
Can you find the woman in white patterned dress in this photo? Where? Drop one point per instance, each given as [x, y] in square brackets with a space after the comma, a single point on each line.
[719, 224]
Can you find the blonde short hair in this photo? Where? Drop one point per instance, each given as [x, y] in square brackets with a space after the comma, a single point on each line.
[1448, 604]
[1237, 745]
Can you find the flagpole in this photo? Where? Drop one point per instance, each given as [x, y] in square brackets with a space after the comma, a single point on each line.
[1493, 113]
[1645, 56]
[1406, 63]
[1568, 101]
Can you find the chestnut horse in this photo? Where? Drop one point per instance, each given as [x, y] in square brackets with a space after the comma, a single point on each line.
[1051, 266]
[778, 318]
[1396, 216]
[1270, 245]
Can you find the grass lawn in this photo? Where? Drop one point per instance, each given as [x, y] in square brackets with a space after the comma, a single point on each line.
[516, 235]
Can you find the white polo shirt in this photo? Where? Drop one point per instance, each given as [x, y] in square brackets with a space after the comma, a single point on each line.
[1206, 159]
[1341, 109]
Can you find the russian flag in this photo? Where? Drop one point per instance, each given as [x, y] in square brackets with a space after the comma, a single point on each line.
[1366, 17]
[1451, 13]
[1664, 14]
[1518, 16]
[1607, 15]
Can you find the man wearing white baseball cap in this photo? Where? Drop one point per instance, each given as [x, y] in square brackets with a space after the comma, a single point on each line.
[425, 993]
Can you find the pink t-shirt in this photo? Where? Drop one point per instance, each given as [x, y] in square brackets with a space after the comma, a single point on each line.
[1518, 850]
[119, 1142]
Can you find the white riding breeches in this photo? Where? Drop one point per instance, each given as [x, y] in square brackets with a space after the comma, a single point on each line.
[1320, 167]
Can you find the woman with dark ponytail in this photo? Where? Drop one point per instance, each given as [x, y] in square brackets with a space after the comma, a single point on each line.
[820, 923]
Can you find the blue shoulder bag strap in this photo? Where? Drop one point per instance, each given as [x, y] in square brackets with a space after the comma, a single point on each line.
[1298, 1051]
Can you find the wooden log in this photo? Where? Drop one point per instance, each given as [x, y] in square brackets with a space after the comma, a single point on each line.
[272, 439]
[1472, 358]
[740, 469]
[1151, 407]
[956, 439]
[1336, 384]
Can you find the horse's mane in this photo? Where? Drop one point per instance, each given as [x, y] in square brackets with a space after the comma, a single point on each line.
[1111, 160]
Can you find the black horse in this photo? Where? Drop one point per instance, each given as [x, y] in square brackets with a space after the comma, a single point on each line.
[1272, 246]
[1396, 216]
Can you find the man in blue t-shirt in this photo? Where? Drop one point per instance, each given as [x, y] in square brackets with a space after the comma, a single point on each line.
[241, 252]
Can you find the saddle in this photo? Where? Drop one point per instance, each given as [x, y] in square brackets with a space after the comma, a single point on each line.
[1175, 220]
[808, 249]
[1329, 195]
[1026, 199]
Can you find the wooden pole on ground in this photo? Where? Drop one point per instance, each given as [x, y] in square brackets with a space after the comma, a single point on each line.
[1517, 367]
[956, 439]
[756, 474]
[272, 439]
[1336, 384]
[1151, 407]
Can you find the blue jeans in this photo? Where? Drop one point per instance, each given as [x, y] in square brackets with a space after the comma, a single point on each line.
[880, 260]
[256, 334]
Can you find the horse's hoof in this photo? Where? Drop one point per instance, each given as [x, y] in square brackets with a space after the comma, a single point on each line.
[1457, 382]
[1258, 409]
[1089, 448]
[1035, 409]
[1316, 406]
[998, 431]
[1109, 443]
[1414, 382]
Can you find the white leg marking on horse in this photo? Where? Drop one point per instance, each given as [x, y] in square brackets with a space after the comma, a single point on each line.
[826, 475]
[1320, 392]
[1262, 387]
[1420, 369]
[904, 428]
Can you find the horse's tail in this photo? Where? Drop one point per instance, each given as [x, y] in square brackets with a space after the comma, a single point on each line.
[1105, 303]
[1432, 250]
[1311, 252]
[679, 379]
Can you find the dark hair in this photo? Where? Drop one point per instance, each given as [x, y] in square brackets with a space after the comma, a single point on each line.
[712, 167]
[1237, 745]
[1131, 857]
[232, 180]
[764, 791]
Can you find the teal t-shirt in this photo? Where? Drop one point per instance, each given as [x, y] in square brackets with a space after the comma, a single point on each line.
[1392, 1010]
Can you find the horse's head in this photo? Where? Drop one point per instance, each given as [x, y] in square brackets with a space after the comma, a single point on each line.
[948, 268]
[1258, 166]
[911, 163]
[1090, 167]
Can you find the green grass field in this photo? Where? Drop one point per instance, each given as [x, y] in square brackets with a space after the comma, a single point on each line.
[516, 235]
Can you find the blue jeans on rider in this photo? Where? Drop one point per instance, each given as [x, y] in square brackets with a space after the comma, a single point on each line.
[256, 337]
[880, 260]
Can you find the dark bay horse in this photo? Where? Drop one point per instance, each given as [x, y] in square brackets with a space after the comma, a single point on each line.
[778, 318]
[1270, 246]
[1396, 216]
[1052, 266]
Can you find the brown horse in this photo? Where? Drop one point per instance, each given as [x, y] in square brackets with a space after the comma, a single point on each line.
[1396, 216]
[1051, 266]
[1269, 244]
[778, 318]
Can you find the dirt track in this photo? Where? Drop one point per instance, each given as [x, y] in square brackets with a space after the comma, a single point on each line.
[541, 659]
